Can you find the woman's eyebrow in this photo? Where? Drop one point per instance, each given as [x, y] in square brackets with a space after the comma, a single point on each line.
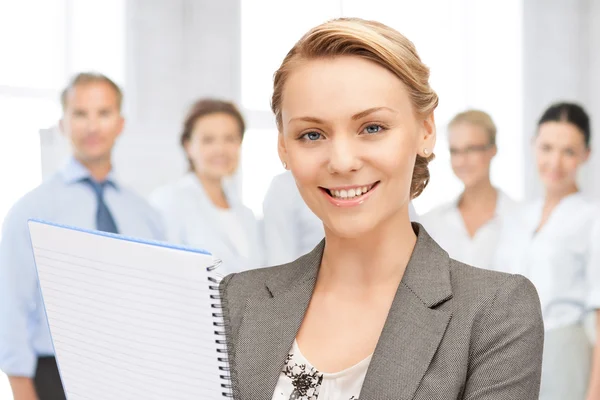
[366, 112]
[308, 119]
[355, 117]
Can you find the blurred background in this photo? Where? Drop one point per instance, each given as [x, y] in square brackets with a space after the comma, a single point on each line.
[510, 58]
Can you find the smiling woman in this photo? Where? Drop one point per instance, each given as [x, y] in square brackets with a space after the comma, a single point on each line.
[377, 310]
[553, 241]
[199, 210]
[469, 227]
[377, 138]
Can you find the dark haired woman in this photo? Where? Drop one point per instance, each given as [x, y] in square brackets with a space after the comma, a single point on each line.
[198, 209]
[555, 242]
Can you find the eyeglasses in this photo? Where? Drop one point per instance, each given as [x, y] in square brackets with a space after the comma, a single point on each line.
[470, 149]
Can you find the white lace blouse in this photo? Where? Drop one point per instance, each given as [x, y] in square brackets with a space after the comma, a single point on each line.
[299, 380]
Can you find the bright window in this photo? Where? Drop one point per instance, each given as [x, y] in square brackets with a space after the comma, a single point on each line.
[32, 43]
[96, 39]
[266, 39]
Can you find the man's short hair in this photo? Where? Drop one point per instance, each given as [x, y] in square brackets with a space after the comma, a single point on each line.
[90, 77]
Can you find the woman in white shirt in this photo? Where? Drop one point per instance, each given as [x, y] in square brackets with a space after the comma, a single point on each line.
[198, 209]
[468, 228]
[555, 242]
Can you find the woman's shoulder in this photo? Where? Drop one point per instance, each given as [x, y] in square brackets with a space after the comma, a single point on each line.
[495, 332]
[478, 291]
[472, 288]
[241, 285]
[253, 283]
[583, 203]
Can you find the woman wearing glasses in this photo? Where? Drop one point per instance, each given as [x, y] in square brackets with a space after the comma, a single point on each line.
[468, 227]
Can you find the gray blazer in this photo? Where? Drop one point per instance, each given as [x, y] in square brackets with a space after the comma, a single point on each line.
[453, 331]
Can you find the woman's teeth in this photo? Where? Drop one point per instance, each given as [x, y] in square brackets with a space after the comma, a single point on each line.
[350, 193]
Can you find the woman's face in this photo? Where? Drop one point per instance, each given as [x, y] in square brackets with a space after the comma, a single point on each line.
[471, 153]
[214, 145]
[559, 150]
[350, 137]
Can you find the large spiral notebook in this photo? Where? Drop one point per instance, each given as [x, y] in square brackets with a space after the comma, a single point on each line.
[131, 319]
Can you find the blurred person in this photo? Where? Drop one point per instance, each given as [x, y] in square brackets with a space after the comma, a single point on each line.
[469, 227]
[290, 228]
[199, 209]
[84, 193]
[555, 242]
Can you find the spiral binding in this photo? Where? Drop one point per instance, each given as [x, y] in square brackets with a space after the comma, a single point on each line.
[219, 325]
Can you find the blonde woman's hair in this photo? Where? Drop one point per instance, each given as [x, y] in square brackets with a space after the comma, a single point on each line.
[478, 118]
[375, 42]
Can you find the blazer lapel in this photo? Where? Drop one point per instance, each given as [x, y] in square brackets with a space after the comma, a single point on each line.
[414, 328]
[269, 326]
[410, 337]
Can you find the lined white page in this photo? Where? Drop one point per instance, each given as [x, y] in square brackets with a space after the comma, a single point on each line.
[129, 320]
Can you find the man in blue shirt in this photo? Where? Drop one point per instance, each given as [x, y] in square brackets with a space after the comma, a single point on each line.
[84, 194]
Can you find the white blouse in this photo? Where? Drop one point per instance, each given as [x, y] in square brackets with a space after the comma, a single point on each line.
[191, 218]
[446, 226]
[562, 259]
[299, 380]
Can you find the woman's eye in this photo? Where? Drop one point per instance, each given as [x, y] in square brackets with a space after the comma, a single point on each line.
[373, 129]
[312, 136]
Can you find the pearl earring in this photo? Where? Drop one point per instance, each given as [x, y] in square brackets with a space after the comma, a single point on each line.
[426, 152]
[284, 165]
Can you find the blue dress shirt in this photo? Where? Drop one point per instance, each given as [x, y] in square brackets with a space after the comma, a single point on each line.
[66, 199]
